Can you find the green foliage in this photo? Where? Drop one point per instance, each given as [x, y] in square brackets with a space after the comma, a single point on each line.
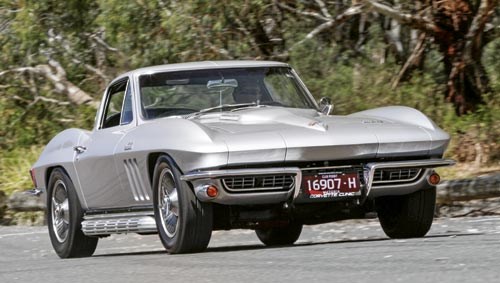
[14, 168]
[24, 124]
[141, 33]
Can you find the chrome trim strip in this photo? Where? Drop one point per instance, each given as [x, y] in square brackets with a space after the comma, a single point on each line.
[116, 223]
[332, 167]
[215, 174]
[255, 189]
[118, 215]
[36, 192]
[369, 169]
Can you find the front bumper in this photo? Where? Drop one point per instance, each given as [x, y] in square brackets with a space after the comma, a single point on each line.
[202, 179]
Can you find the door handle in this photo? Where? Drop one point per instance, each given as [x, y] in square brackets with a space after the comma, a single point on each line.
[79, 149]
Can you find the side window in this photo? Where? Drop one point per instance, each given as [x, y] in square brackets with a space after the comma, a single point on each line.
[118, 105]
[127, 113]
[283, 88]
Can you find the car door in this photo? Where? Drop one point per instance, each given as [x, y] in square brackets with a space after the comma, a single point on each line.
[97, 172]
[131, 164]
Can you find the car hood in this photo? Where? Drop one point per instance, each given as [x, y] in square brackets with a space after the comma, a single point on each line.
[274, 134]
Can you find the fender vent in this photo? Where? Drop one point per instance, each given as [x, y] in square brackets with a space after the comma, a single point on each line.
[135, 180]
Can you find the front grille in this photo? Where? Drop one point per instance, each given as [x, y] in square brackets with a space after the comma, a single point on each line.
[401, 175]
[283, 182]
[259, 183]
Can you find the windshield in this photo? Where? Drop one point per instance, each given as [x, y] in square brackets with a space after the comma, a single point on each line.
[186, 92]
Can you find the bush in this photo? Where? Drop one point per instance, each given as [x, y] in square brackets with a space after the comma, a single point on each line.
[15, 166]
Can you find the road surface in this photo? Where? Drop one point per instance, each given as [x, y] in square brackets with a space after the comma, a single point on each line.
[455, 250]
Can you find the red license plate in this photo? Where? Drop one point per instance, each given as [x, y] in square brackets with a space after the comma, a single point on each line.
[331, 185]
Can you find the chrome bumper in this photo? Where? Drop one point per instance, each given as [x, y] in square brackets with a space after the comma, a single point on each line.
[201, 179]
[369, 172]
[36, 192]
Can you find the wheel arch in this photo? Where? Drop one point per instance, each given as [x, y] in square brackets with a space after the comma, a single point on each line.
[73, 179]
[151, 162]
[49, 171]
[194, 219]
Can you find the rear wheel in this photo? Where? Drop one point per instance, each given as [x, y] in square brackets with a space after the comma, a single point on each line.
[64, 218]
[184, 223]
[277, 236]
[407, 216]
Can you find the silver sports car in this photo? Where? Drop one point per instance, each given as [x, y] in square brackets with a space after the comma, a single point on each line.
[185, 149]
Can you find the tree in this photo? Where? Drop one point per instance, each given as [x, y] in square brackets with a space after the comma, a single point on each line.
[59, 53]
[459, 28]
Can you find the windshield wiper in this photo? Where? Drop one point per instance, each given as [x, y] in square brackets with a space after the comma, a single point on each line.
[222, 107]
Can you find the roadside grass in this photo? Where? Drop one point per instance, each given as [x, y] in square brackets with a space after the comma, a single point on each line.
[14, 176]
[14, 168]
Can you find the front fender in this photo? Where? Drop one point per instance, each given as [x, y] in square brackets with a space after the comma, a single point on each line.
[402, 114]
[189, 144]
[410, 116]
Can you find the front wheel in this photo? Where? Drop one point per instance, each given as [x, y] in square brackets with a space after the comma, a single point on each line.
[64, 218]
[184, 223]
[278, 236]
[408, 216]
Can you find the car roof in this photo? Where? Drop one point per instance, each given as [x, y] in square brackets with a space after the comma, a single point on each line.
[201, 65]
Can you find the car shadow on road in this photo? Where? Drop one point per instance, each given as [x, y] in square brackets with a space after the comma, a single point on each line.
[305, 244]
[296, 245]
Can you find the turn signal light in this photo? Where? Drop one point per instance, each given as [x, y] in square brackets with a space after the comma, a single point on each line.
[434, 179]
[212, 191]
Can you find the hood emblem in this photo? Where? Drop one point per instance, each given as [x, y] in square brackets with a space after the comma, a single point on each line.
[318, 123]
[372, 121]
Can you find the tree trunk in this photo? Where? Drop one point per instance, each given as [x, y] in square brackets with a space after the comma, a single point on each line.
[55, 73]
[458, 28]
[467, 79]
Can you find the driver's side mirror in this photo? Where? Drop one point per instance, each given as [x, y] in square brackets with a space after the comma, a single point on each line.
[325, 105]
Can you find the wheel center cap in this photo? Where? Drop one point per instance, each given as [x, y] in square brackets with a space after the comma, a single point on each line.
[58, 211]
[167, 203]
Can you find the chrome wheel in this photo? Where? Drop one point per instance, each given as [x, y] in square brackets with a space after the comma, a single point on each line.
[184, 223]
[60, 211]
[64, 218]
[168, 202]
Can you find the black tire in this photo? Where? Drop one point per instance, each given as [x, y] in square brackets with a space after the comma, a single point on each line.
[64, 211]
[190, 230]
[408, 216]
[278, 236]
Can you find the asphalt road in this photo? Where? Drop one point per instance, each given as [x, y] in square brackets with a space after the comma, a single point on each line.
[455, 250]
